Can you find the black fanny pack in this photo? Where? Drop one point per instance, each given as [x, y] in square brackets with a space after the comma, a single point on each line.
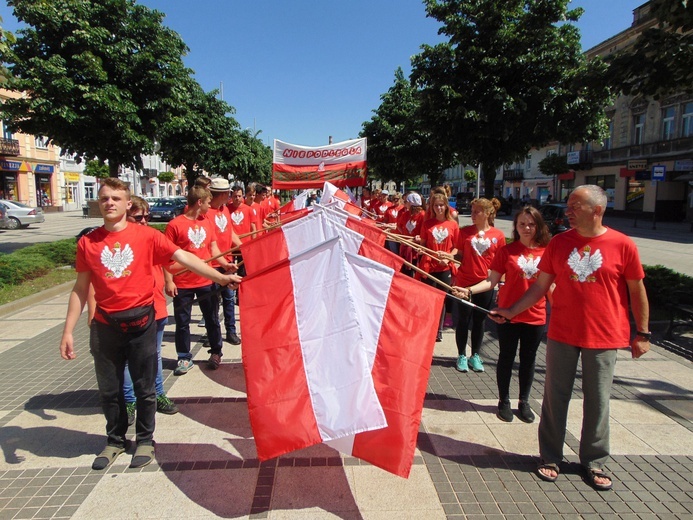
[130, 321]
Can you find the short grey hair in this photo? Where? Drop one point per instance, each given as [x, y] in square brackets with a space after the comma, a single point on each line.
[595, 195]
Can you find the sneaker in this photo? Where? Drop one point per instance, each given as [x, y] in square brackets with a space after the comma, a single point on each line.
[461, 364]
[232, 337]
[184, 366]
[165, 405]
[131, 408]
[476, 364]
[505, 413]
[214, 361]
[201, 323]
[525, 412]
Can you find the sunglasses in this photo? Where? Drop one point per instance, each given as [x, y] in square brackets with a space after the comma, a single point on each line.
[140, 218]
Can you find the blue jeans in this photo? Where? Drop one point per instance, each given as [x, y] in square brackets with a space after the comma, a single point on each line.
[182, 309]
[228, 303]
[128, 390]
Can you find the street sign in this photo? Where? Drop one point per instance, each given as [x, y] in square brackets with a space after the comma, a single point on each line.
[659, 172]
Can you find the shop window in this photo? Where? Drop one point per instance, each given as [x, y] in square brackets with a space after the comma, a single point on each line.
[638, 128]
[635, 194]
[668, 118]
[607, 183]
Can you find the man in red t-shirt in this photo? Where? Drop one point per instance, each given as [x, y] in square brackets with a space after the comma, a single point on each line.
[596, 271]
[195, 233]
[242, 219]
[257, 208]
[219, 215]
[119, 260]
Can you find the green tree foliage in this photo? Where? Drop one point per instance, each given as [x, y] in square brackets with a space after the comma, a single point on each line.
[201, 134]
[511, 76]
[470, 175]
[554, 164]
[6, 39]
[96, 169]
[399, 145]
[660, 62]
[166, 176]
[253, 160]
[100, 76]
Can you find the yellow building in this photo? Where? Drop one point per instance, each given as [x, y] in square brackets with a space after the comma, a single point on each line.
[29, 167]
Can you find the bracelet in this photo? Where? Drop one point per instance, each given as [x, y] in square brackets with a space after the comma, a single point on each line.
[644, 335]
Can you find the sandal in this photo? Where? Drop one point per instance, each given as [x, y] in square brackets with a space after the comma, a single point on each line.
[591, 476]
[550, 465]
[106, 457]
[144, 454]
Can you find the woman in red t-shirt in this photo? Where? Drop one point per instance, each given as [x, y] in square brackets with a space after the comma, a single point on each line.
[439, 233]
[477, 246]
[519, 262]
[409, 222]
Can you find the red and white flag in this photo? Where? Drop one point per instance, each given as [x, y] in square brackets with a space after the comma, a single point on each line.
[298, 202]
[304, 233]
[401, 329]
[332, 194]
[364, 226]
[307, 373]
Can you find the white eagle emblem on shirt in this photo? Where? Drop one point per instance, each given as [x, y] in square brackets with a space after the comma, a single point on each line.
[117, 261]
[394, 213]
[410, 225]
[480, 243]
[439, 234]
[383, 208]
[237, 218]
[197, 236]
[584, 265]
[529, 266]
[221, 221]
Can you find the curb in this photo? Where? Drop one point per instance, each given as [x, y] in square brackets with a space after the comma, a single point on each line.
[33, 299]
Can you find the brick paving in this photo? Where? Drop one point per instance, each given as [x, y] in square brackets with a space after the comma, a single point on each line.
[493, 484]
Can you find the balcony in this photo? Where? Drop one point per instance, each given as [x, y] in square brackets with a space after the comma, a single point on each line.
[580, 160]
[670, 148]
[516, 174]
[9, 147]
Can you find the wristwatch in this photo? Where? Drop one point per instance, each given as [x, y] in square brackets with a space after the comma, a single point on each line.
[644, 335]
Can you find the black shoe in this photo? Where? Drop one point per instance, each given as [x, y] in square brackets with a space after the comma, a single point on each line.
[439, 337]
[232, 337]
[525, 412]
[505, 413]
[165, 405]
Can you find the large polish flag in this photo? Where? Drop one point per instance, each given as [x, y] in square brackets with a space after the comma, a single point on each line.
[307, 372]
[364, 226]
[331, 194]
[399, 333]
[304, 233]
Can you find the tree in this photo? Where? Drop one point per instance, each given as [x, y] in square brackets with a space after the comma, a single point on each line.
[399, 146]
[166, 176]
[512, 76]
[554, 165]
[660, 62]
[99, 76]
[253, 160]
[96, 169]
[6, 38]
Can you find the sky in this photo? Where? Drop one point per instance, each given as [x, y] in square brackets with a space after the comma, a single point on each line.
[303, 70]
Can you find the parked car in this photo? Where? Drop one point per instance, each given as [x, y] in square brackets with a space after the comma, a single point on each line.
[452, 202]
[506, 206]
[3, 217]
[554, 216]
[462, 201]
[166, 209]
[21, 215]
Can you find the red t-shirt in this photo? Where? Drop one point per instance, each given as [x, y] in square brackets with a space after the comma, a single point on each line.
[590, 301]
[379, 208]
[221, 219]
[521, 268]
[392, 213]
[438, 236]
[195, 236]
[123, 265]
[241, 218]
[256, 210]
[268, 206]
[160, 304]
[478, 249]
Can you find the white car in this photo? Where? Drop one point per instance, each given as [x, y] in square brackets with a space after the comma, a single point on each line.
[21, 215]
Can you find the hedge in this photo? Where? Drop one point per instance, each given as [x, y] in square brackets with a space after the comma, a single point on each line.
[35, 260]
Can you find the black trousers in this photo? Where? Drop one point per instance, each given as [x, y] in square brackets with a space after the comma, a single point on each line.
[111, 348]
[509, 335]
[466, 314]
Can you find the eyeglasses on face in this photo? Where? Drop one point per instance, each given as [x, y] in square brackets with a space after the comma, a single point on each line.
[140, 218]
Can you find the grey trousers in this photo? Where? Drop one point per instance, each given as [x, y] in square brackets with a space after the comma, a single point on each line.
[597, 376]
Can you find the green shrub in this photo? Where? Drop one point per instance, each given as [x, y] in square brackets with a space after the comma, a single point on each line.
[35, 260]
[665, 286]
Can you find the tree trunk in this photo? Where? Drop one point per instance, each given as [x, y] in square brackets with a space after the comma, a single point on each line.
[488, 173]
[113, 168]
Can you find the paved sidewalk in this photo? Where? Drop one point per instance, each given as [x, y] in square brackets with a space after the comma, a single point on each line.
[468, 464]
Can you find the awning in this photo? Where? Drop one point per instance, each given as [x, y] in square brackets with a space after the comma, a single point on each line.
[568, 176]
[625, 172]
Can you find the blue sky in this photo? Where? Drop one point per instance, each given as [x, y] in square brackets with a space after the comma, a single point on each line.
[303, 70]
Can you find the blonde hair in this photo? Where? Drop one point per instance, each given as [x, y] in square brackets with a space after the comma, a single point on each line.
[435, 196]
[138, 204]
[490, 207]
